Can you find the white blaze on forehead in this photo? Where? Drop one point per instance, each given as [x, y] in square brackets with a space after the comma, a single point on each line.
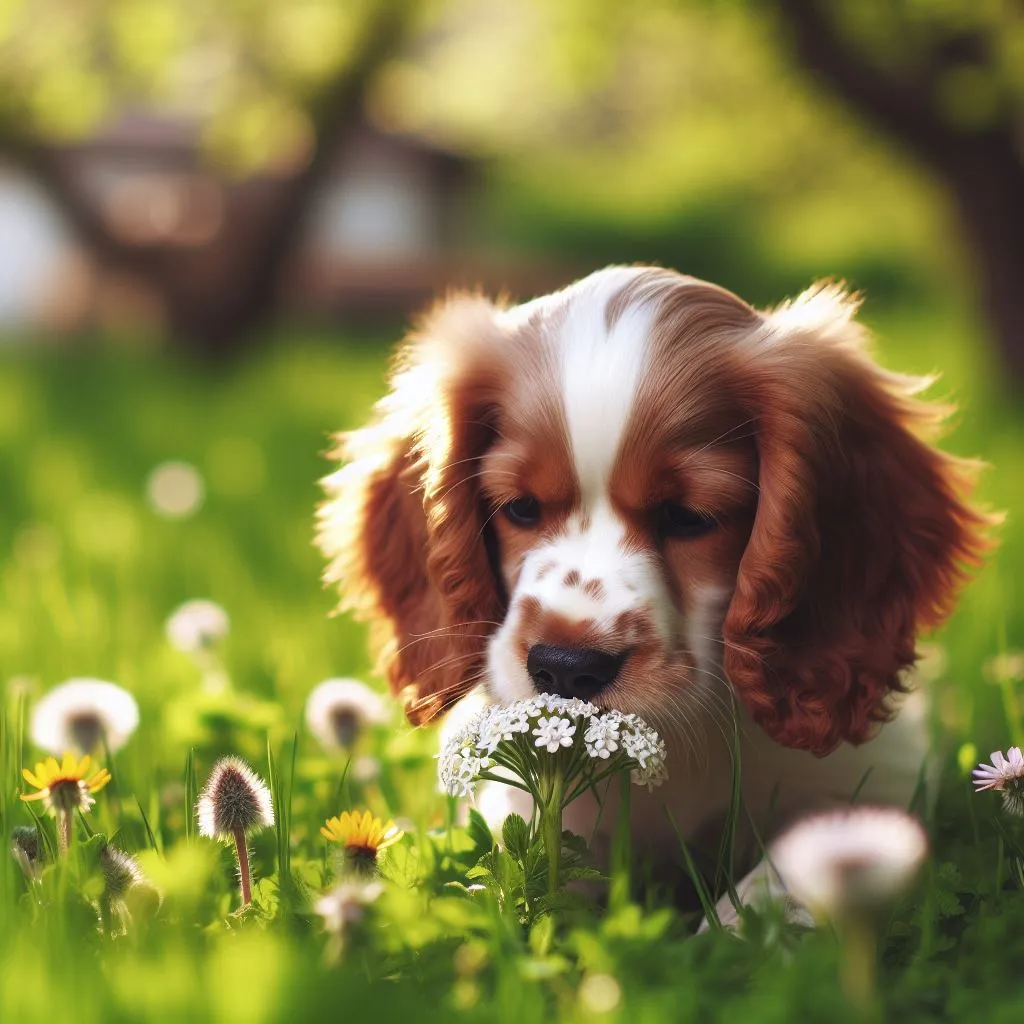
[593, 553]
[601, 370]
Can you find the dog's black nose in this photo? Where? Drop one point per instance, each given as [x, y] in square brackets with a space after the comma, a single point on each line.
[571, 671]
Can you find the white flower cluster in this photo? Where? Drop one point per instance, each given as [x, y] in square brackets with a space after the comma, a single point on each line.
[549, 723]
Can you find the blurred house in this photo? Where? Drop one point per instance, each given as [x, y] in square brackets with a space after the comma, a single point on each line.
[35, 246]
[381, 236]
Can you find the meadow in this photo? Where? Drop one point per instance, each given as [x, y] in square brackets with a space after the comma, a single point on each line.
[90, 573]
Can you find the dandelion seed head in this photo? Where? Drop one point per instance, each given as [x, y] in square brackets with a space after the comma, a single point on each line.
[338, 710]
[120, 871]
[346, 903]
[234, 799]
[849, 861]
[197, 626]
[28, 850]
[82, 714]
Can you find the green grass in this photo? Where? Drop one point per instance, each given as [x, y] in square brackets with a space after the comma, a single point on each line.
[89, 575]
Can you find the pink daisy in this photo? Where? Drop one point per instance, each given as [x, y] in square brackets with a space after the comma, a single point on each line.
[1005, 774]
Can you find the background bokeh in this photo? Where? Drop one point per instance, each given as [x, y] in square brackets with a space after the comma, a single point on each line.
[216, 219]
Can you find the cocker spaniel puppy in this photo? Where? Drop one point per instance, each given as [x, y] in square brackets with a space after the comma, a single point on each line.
[644, 492]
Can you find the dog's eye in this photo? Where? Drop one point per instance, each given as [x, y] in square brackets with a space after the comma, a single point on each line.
[522, 511]
[682, 522]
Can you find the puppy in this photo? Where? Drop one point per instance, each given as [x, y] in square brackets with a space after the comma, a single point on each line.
[644, 492]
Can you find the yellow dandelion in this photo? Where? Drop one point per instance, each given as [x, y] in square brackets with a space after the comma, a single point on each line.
[65, 787]
[362, 835]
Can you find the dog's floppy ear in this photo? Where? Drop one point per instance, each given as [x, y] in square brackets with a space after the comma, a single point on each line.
[404, 528]
[863, 533]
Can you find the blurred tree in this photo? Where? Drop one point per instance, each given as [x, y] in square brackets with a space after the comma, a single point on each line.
[945, 79]
[269, 92]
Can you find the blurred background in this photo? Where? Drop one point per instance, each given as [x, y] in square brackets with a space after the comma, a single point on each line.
[215, 220]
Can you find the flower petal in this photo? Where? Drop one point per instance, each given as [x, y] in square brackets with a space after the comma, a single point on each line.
[983, 784]
[31, 779]
[41, 795]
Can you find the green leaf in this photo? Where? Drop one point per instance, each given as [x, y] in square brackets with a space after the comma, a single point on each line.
[568, 902]
[480, 833]
[515, 835]
[266, 897]
[86, 869]
[150, 838]
[575, 844]
[582, 874]
[539, 969]
[542, 935]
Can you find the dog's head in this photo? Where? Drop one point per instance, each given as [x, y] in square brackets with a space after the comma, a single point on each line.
[640, 486]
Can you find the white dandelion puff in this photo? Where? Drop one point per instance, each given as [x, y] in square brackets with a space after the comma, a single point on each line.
[346, 903]
[121, 872]
[338, 710]
[125, 889]
[850, 861]
[234, 803]
[344, 906]
[82, 715]
[234, 799]
[197, 626]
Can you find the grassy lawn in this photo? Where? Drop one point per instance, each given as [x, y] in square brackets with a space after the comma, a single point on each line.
[88, 578]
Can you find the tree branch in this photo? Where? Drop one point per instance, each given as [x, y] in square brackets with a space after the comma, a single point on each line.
[334, 113]
[48, 167]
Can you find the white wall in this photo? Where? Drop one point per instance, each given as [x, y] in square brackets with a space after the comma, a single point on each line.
[33, 244]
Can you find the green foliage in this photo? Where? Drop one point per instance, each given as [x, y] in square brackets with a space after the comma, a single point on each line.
[246, 72]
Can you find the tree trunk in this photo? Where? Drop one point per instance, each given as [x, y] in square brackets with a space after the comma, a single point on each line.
[216, 306]
[215, 298]
[983, 171]
[988, 189]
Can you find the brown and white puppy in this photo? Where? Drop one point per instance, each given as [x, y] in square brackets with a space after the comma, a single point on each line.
[642, 491]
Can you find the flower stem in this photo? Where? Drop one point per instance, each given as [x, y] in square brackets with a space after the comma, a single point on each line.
[243, 866]
[106, 918]
[857, 968]
[551, 824]
[64, 824]
[622, 850]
